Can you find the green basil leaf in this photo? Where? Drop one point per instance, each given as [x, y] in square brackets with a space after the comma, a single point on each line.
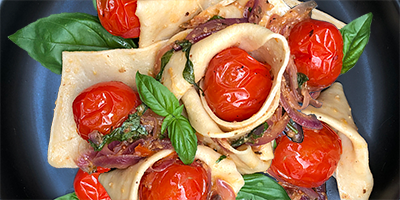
[166, 123]
[94, 4]
[301, 79]
[155, 95]
[188, 72]
[130, 129]
[70, 196]
[164, 61]
[183, 139]
[261, 187]
[46, 38]
[355, 37]
[220, 158]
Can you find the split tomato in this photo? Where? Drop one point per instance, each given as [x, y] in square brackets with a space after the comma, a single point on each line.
[103, 106]
[236, 85]
[87, 186]
[118, 17]
[310, 163]
[317, 47]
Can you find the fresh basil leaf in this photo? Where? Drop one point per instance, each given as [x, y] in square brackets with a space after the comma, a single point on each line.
[94, 4]
[166, 123]
[355, 37]
[188, 72]
[155, 95]
[220, 158]
[183, 139]
[261, 187]
[301, 79]
[130, 129]
[164, 61]
[70, 196]
[46, 38]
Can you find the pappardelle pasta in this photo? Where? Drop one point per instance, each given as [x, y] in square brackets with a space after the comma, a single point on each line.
[231, 99]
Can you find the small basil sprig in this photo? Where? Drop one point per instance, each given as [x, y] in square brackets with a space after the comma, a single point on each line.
[164, 103]
[69, 196]
[355, 37]
[261, 187]
[130, 129]
[46, 38]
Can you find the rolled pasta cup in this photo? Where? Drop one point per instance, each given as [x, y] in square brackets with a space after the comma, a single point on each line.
[81, 70]
[124, 184]
[262, 44]
[353, 175]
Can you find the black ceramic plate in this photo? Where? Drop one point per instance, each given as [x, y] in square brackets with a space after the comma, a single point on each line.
[28, 93]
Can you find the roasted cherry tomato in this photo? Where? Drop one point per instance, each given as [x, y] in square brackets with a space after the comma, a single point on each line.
[88, 187]
[118, 17]
[236, 85]
[175, 182]
[103, 106]
[317, 47]
[310, 163]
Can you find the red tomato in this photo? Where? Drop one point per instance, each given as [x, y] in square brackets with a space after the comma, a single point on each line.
[318, 50]
[176, 182]
[118, 17]
[310, 163]
[88, 187]
[236, 85]
[103, 106]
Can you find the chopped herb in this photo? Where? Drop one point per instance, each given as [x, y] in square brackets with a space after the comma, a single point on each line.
[301, 79]
[252, 136]
[220, 158]
[131, 129]
[215, 17]
[164, 61]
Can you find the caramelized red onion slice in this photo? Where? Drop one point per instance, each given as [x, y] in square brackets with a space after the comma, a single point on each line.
[222, 190]
[308, 121]
[258, 9]
[284, 24]
[297, 136]
[204, 30]
[272, 132]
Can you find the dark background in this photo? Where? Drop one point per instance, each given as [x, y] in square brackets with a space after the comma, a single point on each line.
[28, 93]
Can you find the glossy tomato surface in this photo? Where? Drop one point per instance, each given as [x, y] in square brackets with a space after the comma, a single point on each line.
[88, 187]
[236, 85]
[175, 182]
[118, 17]
[317, 47]
[310, 163]
[103, 106]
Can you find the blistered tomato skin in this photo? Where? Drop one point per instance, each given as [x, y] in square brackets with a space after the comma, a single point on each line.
[310, 163]
[317, 47]
[88, 187]
[236, 85]
[176, 182]
[118, 17]
[103, 106]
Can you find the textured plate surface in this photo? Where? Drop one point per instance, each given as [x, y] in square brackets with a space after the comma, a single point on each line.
[28, 93]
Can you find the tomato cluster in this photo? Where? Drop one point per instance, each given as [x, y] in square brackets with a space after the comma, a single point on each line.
[236, 85]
